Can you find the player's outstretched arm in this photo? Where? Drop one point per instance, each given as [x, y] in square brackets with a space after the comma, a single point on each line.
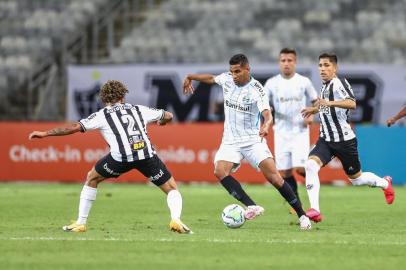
[309, 111]
[57, 131]
[309, 119]
[166, 119]
[344, 104]
[268, 120]
[400, 114]
[187, 82]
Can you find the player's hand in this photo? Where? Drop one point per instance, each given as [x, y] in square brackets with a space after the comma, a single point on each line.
[308, 111]
[161, 123]
[264, 131]
[390, 121]
[188, 86]
[308, 120]
[37, 135]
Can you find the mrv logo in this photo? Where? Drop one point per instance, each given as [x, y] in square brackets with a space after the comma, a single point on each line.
[163, 90]
[167, 93]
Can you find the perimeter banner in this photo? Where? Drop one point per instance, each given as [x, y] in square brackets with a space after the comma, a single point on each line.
[187, 149]
[380, 89]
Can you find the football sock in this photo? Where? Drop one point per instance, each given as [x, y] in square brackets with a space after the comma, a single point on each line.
[87, 197]
[370, 179]
[235, 189]
[293, 184]
[313, 183]
[174, 201]
[286, 191]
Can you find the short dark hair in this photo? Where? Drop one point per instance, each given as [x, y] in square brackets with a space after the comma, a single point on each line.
[287, 51]
[331, 56]
[238, 59]
[112, 91]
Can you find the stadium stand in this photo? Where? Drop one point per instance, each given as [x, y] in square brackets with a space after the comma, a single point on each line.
[32, 37]
[38, 39]
[187, 31]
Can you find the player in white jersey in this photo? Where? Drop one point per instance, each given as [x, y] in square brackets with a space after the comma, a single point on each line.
[289, 92]
[391, 121]
[123, 126]
[337, 139]
[245, 101]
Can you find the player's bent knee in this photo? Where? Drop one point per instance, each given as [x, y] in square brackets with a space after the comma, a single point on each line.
[220, 173]
[93, 178]
[311, 166]
[169, 185]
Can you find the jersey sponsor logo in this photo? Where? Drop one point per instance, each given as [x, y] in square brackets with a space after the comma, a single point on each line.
[93, 115]
[139, 145]
[110, 171]
[288, 99]
[157, 176]
[259, 88]
[117, 108]
[238, 107]
[342, 90]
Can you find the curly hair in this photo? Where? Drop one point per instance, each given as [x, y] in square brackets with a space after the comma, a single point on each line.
[112, 91]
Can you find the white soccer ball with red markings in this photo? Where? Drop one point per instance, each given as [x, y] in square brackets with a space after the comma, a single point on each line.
[233, 216]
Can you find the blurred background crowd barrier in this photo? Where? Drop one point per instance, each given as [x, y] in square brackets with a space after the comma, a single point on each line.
[187, 149]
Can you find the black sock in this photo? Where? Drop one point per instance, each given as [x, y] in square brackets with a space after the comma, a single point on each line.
[293, 184]
[235, 189]
[286, 191]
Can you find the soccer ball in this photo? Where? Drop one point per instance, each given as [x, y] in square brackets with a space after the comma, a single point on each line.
[233, 216]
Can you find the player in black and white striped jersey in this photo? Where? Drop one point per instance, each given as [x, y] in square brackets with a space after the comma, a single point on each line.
[123, 126]
[337, 138]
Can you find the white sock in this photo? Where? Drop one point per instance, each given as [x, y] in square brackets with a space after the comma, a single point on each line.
[174, 200]
[87, 196]
[370, 179]
[313, 183]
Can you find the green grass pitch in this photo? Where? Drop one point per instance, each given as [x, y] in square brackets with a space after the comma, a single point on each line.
[128, 229]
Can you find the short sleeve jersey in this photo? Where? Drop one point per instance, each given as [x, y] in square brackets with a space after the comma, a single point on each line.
[123, 126]
[288, 98]
[242, 109]
[334, 122]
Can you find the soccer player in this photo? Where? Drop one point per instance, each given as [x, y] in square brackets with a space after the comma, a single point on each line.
[289, 93]
[391, 121]
[245, 101]
[123, 126]
[337, 139]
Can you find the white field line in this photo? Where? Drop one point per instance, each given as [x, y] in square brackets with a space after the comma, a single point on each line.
[210, 240]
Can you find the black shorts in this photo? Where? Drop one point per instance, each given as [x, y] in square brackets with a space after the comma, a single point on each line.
[152, 168]
[346, 152]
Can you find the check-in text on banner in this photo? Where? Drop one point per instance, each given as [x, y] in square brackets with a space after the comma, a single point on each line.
[187, 149]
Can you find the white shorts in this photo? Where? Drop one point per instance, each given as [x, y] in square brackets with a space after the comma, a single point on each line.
[254, 153]
[291, 151]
